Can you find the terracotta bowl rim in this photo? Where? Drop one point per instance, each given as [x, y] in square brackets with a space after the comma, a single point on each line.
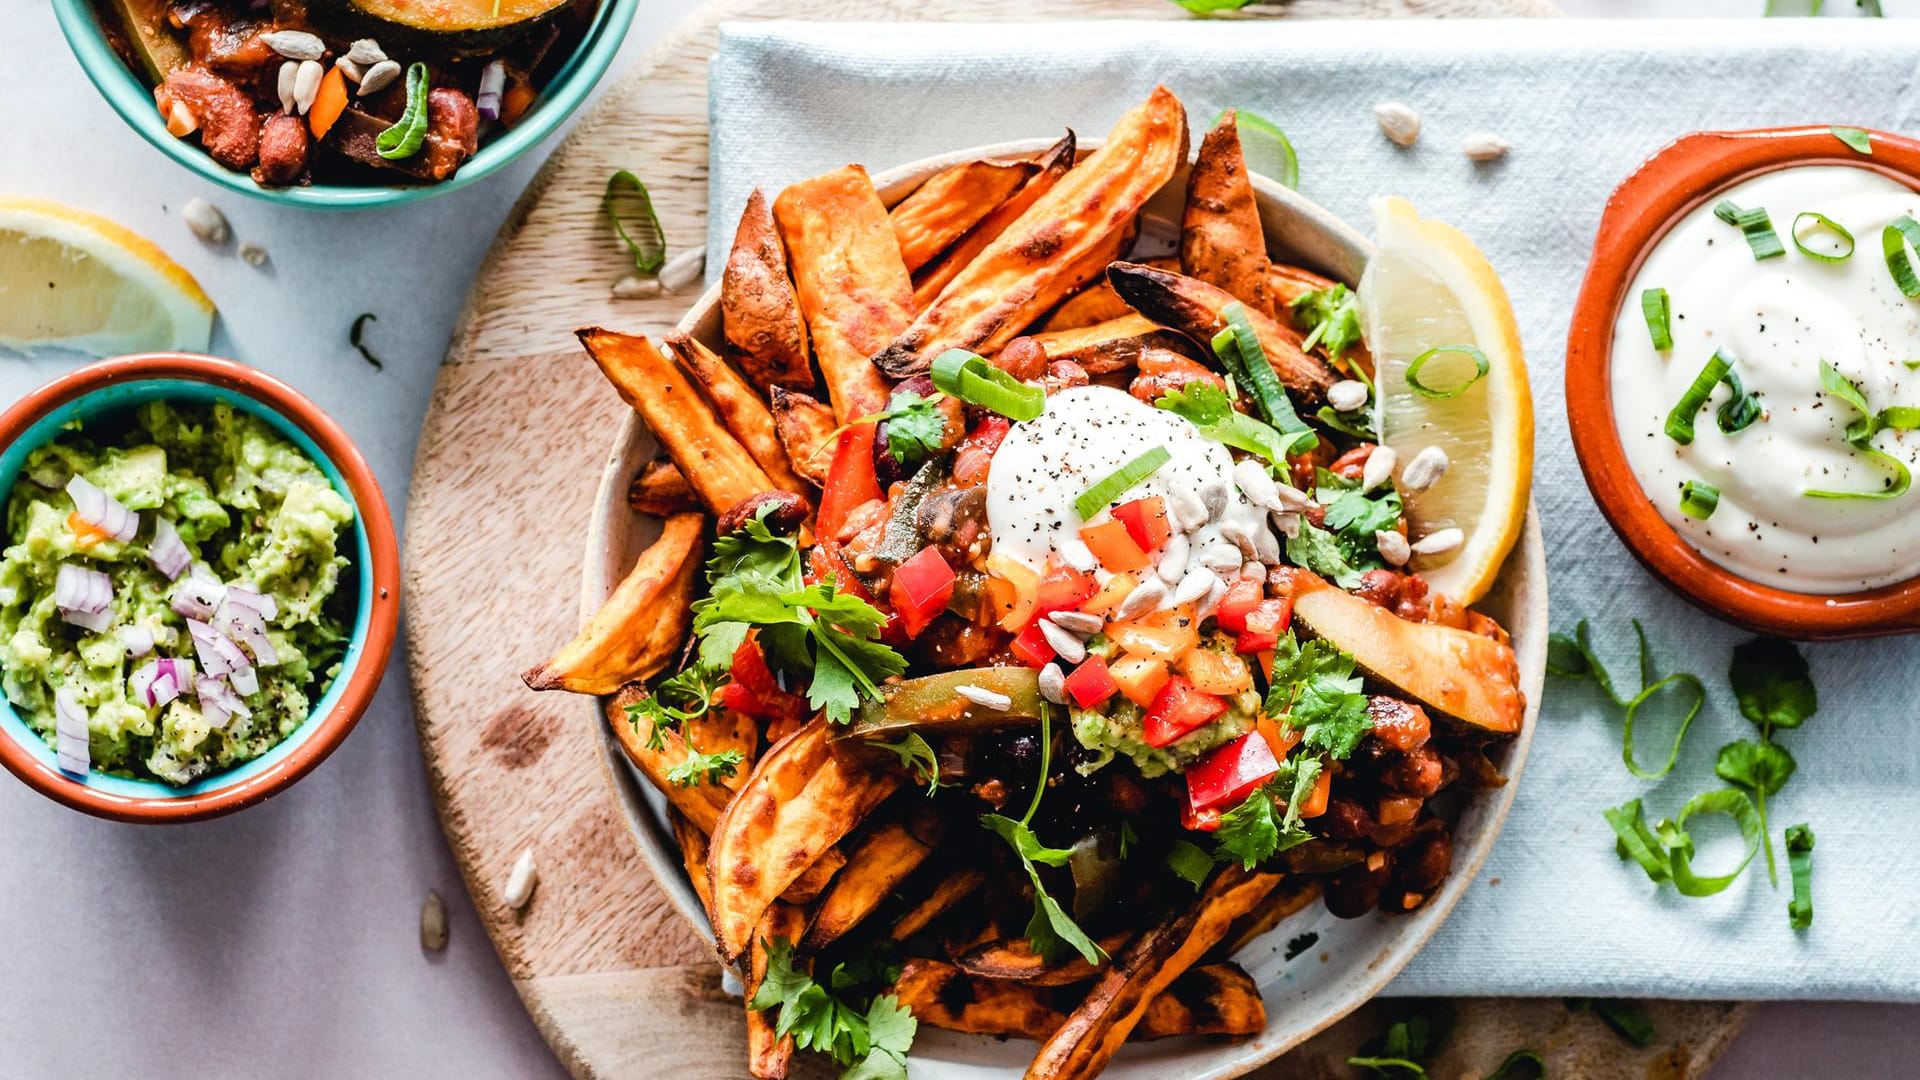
[1679, 177]
[367, 657]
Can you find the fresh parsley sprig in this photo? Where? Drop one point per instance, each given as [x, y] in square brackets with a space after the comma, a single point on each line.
[704, 768]
[1331, 317]
[916, 756]
[871, 1043]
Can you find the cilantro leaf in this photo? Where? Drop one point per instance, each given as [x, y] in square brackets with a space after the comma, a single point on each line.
[890, 1031]
[1321, 552]
[1208, 408]
[1315, 690]
[1354, 516]
[873, 1042]
[1772, 683]
[1050, 930]
[1189, 863]
[1331, 317]
[683, 697]
[703, 768]
[916, 756]
[1762, 769]
[915, 427]
[1259, 828]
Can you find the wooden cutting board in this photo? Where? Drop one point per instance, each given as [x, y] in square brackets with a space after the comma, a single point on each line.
[510, 455]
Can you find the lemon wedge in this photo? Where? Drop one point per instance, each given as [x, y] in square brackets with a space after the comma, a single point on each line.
[74, 280]
[1427, 287]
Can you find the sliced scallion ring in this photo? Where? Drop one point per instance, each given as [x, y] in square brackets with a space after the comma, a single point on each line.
[1659, 313]
[403, 139]
[1860, 434]
[1800, 865]
[1698, 500]
[1734, 804]
[969, 377]
[1859, 141]
[1822, 221]
[1741, 409]
[1252, 370]
[1893, 244]
[627, 201]
[1480, 369]
[1679, 425]
[1120, 481]
[1267, 149]
[1755, 225]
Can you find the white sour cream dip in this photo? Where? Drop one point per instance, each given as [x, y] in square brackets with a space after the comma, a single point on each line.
[1777, 319]
[1085, 435]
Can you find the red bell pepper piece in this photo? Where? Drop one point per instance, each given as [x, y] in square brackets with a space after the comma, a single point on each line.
[1091, 684]
[1030, 647]
[1178, 709]
[1061, 588]
[921, 588]
[1241, 597]
[1228, 774]
[754, 691]
[973, 457]
[851, 480]
[1264, 625]
[1146, 521]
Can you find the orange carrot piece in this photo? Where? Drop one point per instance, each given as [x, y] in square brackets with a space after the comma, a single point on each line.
[328, 104]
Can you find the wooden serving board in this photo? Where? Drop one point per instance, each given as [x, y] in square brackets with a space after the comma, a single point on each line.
[510, 455]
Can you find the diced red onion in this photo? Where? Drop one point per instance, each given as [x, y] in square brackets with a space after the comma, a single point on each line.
[213, 696]
[197, 598]
[72, 751]
[245, 595]
[98, 622]
[137, 639]
[218, 656]
[168, 553]
[263, 651]
[493, 80]
[78, 589]
[237, 620]
[157, 682]
[246, 681]
[203, 572]
[102, 511]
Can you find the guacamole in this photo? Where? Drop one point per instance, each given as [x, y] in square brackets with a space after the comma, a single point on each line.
[1118, 731]
[247, 629]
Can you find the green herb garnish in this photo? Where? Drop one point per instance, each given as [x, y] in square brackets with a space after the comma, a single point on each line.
[1679, 426]
[1755, 225]
[1520, 1065]
[1658, 311]
[1480, 369]
[1210, 409]
[1051, 931]
[871, 1043]
[1760, 769]
[1110, 487]
[917, 757]
[1699, 499]
[1189, 863]
[1800, 865]
[1624, 1017]
[1860, 434]
[626, 201]
[1665, 852]
[1331, 317]
[1573, 657]
[1822, 221]
[1858, 141]
[403, 139]
[1238, 347]
[704, 768]
[969, 377]
[1773, 684]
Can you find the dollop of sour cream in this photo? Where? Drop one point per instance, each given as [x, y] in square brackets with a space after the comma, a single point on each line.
[1777, 319]
[1085, 435]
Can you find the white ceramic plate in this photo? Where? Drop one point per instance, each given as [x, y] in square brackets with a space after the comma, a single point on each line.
[1303, 995]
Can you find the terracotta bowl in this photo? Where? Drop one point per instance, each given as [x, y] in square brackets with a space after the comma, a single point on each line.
[1353, 959]
[1688, 172]
[129, 380]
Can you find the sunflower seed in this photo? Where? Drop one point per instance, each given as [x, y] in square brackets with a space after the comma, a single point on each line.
[1252, 480]
[1076, 554]
[181, 122]
[1212, 600]
[1439, 543]
[1266, 547]
[1253, 571]
[1070, 648]
[1484, 146]
[1198, 583]
[1379, 468]
[351, 71]
[1145, 597]
[1347, 395]
[289, 75]
[1425, 470]
[433, 922]
[1239, 534]
[295, 44]
[206, 221]
[1213, 496]
[1053, 684]
[1287, 523]
[684, 269]
[1078, 622]
[521, 881]
[306, 85]
[635, 287]
[365, 52]
[1393, 547]
[1292, 498]
[984, 697]
[1220, 557]
[1397, 121]
[1188, 512]
[253, 254]
[1173, 559]
[378, 77]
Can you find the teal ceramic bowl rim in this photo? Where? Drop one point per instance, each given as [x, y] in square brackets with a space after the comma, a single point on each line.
[128, 382]
[133, 100]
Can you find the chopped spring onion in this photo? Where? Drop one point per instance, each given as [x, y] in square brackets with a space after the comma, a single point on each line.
[1680, 421]
[1755, 225]
[969, 377]
[1699, 500]
[403, 139]
[1480, 368]
[1740, 410]
[1266, 148]
[1893, 244]
[1800, 864]
[626, 199]
[1120, 481]
[1238, 347]
[1822, 221]
[1859, 141]
[1861, 432]
[1734, 804]
[1659, 312]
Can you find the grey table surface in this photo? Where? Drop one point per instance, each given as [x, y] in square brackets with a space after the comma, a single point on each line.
[283, 941]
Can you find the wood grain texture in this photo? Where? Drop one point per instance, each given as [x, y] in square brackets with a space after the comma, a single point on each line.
[510, 454]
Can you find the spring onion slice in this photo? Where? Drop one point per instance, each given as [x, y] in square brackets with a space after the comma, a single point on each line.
[1659, 312]
[1699, 500]
[1893, 244]
[1480, 369]
[1755, 225]
[1257, 371]
[1734, 804]
[1741, 409]
[1120, 481]
[1636, 841]
[1800, 864]
[1266, 148]
[1859, 141]
[1680, 421]
[1687, 682]
[969, 377]
[1861, 432]
[627, 200]
[1333, 419]
[1522, 1064]
[403, 139]
[1822, 221]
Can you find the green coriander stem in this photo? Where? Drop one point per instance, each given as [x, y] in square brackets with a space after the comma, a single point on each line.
[1046, 763]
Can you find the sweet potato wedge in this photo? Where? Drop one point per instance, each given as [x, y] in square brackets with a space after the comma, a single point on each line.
[879, 863]
[661, 490]
[1293, 895]
[1083, 1046]
[711, 459]
[800, 800]
[1193, 307]
[1045, 255]
[1013, 960]
[951, 890]
[640, 628]
[1221, 242]
[741, 410]
[1217, 999]
[759, 313]
[815, 879]
[1114, 345]
[768, 1054]
[693, 857]
[1050, 166]
[701, 803]
[853, 286]
[1286, 283]
[952, 201]
[1097, 302]
[805, 427]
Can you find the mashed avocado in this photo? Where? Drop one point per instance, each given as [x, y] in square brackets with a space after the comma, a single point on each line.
[253, 512]
[1118, 732]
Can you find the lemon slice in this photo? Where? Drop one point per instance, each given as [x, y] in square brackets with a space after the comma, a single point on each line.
[1427, 287]
[73, 280]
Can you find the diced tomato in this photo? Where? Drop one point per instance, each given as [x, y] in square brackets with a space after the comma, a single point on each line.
[1062, 587]
[1216, 672]
[1159, 635]
[754, 692]
[1146, 522]
[1264, 625]
[973, 457]
[1030, 647]
[1140, 679]
[1228, 774]
[1178, 709]
[1114, 547]
[851, 480]
[921, 588]
[1011, 586]
[1241, 597]
[1091, 684]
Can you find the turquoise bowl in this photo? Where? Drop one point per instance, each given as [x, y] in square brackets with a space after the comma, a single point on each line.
[115, 386]
[133, 100]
